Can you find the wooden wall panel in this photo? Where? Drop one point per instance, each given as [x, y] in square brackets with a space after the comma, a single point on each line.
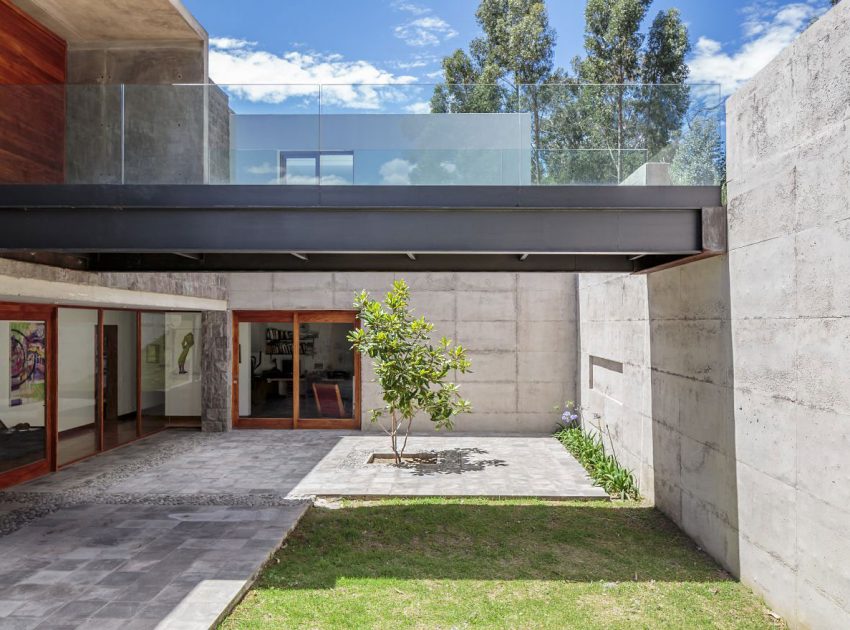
[32, 100]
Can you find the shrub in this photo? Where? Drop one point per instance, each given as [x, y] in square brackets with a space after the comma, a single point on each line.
[590, 452]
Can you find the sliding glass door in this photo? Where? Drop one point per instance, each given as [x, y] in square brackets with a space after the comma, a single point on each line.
[123, 374]
[295, 370]
[119, 373]
[26, 341]
[77, 417]
[170, 368]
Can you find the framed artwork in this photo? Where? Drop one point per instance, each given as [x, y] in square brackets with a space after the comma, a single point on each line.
[153, 353]
[27, 363]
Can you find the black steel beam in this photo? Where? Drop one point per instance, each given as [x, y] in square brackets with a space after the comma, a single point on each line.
[369, 262]
[486, 228]
[206, 230]
[432, 197]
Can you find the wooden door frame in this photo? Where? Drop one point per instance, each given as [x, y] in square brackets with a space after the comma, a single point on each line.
[296, 317]
[40, 313]
[49, 313]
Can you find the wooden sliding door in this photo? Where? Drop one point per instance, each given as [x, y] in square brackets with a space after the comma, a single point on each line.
[295, 369]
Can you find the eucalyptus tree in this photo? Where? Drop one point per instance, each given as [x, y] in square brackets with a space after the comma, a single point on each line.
[641, 99]
[504, 66]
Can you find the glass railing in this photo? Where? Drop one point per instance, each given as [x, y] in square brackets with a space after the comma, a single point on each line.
[331, 135]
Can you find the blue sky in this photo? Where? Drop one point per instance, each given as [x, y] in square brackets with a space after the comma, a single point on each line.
[402, 41]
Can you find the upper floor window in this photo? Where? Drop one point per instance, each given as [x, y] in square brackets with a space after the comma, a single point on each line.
[311, 167]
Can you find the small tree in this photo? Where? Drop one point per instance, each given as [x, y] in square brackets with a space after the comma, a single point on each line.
[411, 371]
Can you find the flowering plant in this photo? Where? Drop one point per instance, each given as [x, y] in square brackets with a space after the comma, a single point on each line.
[570, 415]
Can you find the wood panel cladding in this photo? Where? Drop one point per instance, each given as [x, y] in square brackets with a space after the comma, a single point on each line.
[32, 100]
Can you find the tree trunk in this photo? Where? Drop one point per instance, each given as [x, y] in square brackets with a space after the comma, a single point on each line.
[394, 438]
[535, 105]
[620, 98]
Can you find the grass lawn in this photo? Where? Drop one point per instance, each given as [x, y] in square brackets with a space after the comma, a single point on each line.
[494, 564]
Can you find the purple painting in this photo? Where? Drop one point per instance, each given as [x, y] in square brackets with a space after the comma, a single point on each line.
[27, 363]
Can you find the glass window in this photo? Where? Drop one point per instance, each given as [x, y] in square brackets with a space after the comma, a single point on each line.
[182, 366]
[298, 169]
[337, 169]
[326, 366]
[119, 377]
[79, 433]
[23, 374]
[153, 372]
[265, 370]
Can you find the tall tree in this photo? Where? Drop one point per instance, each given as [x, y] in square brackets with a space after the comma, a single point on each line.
[637, 98]
[663, 73]
[504, 66]
[613, 41]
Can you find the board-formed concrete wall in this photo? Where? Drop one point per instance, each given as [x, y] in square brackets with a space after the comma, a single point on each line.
[733, 403]
[519, 329]
[166, 118]
[656, 380]
[789, 264]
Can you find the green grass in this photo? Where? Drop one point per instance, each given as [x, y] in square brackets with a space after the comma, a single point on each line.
[494, 564]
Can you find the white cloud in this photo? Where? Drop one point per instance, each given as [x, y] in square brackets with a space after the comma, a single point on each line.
[422, 107]
[266, 168]
[449, 167]
[262, 76]
[428, 30]
[767, 30]
[230, 43]
[409, 65]
[396, 172]
[410, 7]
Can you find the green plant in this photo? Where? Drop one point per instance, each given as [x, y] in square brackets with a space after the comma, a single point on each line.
[411, 371]
[589, 450]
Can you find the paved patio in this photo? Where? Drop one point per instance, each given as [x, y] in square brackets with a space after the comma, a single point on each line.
[169, 532]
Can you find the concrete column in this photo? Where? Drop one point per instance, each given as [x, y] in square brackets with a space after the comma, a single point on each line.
[216, 327]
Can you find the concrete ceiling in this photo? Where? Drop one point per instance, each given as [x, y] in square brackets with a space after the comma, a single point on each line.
[80, 21]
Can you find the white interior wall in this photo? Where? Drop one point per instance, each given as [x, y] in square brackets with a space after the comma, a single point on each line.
[182, 391]
[246, 345]
[77, 347]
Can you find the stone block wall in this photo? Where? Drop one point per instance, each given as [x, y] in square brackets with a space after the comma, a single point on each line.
[520, 331]
[216, 353]
[202, 285]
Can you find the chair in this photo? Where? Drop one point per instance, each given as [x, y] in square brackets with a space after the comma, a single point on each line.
[329, 400]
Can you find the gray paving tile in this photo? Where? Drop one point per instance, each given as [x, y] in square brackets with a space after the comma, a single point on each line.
[153, 541]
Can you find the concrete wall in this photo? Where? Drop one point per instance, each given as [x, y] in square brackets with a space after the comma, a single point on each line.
[165, 127]
[789, 262]
[656, 379]
[519, 329]
[733, 404]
